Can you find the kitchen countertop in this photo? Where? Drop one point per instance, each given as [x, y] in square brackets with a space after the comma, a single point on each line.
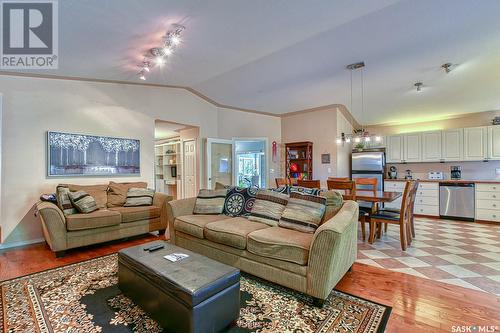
[461, 181]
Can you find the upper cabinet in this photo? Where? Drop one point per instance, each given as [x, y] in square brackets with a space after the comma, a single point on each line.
[412, 147]
[394, 149]
[475, 143]
[431, 146]
[494, 142]
[452, 145]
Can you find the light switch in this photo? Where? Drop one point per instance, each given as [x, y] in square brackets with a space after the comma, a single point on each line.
[329, 170]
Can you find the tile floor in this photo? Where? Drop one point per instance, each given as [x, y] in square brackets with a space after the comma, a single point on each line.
[466, 254]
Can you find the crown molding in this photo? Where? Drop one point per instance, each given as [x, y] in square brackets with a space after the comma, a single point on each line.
[338, 107]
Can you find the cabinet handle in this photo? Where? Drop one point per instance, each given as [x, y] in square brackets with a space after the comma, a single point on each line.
[494, 187]
[494, 215]
[493, 196]
[494, 205]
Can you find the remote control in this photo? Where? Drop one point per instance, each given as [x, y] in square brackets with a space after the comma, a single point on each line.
[156, 247]
[150, 246]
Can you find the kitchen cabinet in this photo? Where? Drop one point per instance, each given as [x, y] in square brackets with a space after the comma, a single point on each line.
[488, 202]
[412, 151]
[427, 199]
[494, 142]
[431, 146]
[452, 145]
[394, 186]
[394, 150]
[475, 143]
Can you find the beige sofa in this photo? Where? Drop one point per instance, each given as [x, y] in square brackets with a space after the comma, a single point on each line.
[108, 223]
[310, 263]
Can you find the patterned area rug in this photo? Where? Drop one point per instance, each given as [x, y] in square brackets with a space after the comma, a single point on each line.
[84, 297]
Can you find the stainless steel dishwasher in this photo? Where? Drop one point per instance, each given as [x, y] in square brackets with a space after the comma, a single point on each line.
[457, 201]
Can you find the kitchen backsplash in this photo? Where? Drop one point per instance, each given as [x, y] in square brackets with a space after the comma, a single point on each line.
[470, 170]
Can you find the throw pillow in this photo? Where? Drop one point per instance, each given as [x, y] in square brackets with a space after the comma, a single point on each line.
[285, 189]
[239, 201]
[139, 197]
[304, 190]
[98, 192]
[63, 200]
[334, 202]
[303, 212]
[117, 192]
[83, 202]
[210, 202]
[268, 207]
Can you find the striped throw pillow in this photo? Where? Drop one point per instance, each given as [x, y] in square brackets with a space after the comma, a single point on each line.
[303, 212]
[139, 197]
[210, 202]
[63, 201]
[83, 202]
[268, 207]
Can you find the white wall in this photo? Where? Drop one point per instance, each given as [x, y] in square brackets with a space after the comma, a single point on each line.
[343, 151]
[239, 124]
[32, 106]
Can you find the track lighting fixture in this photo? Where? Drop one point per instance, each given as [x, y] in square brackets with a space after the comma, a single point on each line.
[419, 86]
[159, 54]
[447, 67]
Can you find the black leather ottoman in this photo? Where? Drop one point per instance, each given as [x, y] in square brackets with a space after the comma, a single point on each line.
[196, 294]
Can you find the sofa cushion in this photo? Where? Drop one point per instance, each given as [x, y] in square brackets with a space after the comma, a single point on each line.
[232, 232]
[303, 212]
[98, 219]
[210, 202]
[132, 214]
[117, 192]
[98, 192]
[268, 207]
[194, 224]
[83, 202]
[280, 243]
[63, 201]
[139, 197]
[239, 201]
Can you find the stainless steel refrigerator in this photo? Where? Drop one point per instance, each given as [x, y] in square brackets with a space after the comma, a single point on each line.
[369, 164]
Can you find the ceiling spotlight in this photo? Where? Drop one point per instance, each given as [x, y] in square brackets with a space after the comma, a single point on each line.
[175, 40]
[419, 86]
[378, 139]
[447, 67]
[159, 60]
[142, 76]
[167, 51]
[357, 139]
[348, 140]
[367, 139]
[145, 66]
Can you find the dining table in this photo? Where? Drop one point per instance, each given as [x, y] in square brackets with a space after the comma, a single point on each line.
[374, 196]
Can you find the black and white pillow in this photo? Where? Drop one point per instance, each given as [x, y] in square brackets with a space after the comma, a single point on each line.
[304, 190]
[83, 202]
[139, 197]
[239, 201]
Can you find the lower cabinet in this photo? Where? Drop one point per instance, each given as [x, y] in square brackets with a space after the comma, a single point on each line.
[426, 200]
[488, 202]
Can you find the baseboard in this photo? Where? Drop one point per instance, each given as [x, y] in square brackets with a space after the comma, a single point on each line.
[23, 243]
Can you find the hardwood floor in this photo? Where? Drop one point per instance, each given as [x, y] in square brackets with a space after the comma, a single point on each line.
[419, 305]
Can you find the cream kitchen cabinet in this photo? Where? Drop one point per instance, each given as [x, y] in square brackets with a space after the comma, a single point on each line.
[394, 186]
[427, 199]
[475, 143]
[452, 145]
[394, 148]
[431, 146]
[412, 147]
[488, 202]
[494, 142]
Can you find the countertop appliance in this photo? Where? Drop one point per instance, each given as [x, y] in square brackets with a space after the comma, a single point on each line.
[393, 172]
[409, 175]
[456, 172]
[435, 175]
[457, 201]
[369, 163]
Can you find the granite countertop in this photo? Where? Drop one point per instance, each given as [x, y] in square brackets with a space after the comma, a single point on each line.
[480, 181]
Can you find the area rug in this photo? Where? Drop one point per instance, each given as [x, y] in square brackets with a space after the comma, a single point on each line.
[84, 297]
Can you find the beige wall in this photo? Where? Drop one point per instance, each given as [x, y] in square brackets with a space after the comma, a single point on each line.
[319, 127]
[468, 120]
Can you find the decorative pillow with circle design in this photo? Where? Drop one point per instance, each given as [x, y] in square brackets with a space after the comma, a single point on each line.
[239, 201]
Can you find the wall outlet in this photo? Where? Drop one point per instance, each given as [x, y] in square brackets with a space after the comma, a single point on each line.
[497, 171]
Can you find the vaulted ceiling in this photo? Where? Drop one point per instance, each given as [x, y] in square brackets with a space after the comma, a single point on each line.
[286, 55]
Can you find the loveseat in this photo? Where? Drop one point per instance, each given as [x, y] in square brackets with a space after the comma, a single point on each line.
[110, 222]
[311, 263]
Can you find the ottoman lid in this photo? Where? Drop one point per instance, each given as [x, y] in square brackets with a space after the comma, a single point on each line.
[191, 280]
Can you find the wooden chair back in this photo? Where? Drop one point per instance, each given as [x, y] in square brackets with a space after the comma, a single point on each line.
[339, 179]
[293, 181]
[349, 187]
[309, 183]
[367, 182]
[408, 202]
[281, 182]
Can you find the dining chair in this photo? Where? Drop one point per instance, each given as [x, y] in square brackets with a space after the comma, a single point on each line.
[309, 183]
[293, 181]
[281, 182]
[366, 208]
[339, 179]
[403, 218]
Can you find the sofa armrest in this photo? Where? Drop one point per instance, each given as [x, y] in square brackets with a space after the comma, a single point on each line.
[177, 208]
[53, 225]
[333, 250]
[160, 200]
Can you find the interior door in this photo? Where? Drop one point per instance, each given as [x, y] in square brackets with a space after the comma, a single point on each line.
[219, 162]
[189, 169]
